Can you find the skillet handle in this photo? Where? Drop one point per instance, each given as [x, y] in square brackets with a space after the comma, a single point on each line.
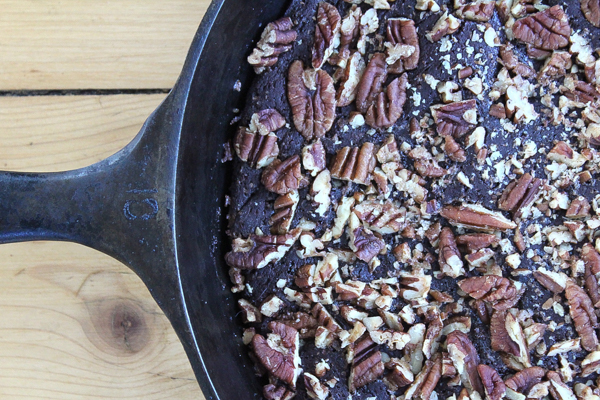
[122, 206]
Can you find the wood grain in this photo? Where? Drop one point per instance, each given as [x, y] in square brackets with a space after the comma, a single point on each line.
[107, 44]
[77, 324]
[55, 133]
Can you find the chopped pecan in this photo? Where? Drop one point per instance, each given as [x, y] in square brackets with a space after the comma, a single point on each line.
[312, 98]
[283, 177]
[366, 364]
[313, 157]
[555, 66]
[327, 32]
[387, 106]
[314, 388]
[277, 38]
[450, 261]
[258, 251]
[524, 380]
[591, 10]
[477, 241]
[285, 208]
[325, 319]
[304, 323]
[584, 317]
[511, 62]
[384, 218]
[564, 154]
[500, 292]
[498, 110]
[554, 281]
[446, 25]
[580, 92]
[455, 119]
[425, 164]
[426, 381]
[353, 72]
[250, 313]
[416, 283]
[478, 10]
[354, 164]
[546, 30]
[579, 208]
[465, 359]
[519, 194]
[400, 374]
[321, 190]
[449, 91]
[371, 83]
[591, 363]
[349, 32]
[591, 258]
[476, 217]
[558, 389]
[272, 392]
[402, 31]
[500, 339]
[365, 244]
[454, 150]
[256, 149]
[266, 121]
[492, 383]
[279, 353]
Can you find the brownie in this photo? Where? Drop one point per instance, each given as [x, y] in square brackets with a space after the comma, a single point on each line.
[414, 209]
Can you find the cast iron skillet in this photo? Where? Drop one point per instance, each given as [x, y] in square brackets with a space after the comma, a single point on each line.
[157, 205]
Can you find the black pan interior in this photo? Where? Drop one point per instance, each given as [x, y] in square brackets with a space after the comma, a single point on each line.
[203, 182]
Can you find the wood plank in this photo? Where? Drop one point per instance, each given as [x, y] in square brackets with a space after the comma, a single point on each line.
[77, 324]
[74, 44]
[56, 133]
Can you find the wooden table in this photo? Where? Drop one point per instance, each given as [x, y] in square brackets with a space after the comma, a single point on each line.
[75, 324]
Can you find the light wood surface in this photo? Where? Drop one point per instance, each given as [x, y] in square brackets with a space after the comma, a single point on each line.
[76, 324]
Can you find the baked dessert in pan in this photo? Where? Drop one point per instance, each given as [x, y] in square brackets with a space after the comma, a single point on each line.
[414, 212]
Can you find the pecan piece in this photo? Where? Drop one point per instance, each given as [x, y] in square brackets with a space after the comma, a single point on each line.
[425, 164]
[564, 154]
[580, 92]
[546, 30]
[371, 83]
[402, 31]
[266, 121]
[285, 208]
[455, 119]
[476, 217]
[313, 157]
[555, 66]
[272, 392]
[279, 352]
[478, 10]
[384, 218]
[500, 339]
[277, 38]
[584, 317]
[283, 177]
[591, 363]
[477, 241]
[387, 106]
[366, 364]
[365, 244]
[450, 261]
[355, 67]
[511, 62]
[426, 381]
[500, 292]
[553, 281]
[453, 150]
[320, 191]
[591, 10]
[579, 208]
[327, 32]
[258, 251]
[312, 98]
[349, 32]
[446, 25]
[354, 164]
[304, 323]
[492, 383]
[519, 194]
[524, 380]
[256, 149]
[591, 258]
[400, 374]
[314, 388]
[558, 389]
[465, 359]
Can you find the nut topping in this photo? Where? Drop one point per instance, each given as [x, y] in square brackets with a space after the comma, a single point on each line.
[476, 217]
[313, 157]
[354, 164]
[365, 244]
[327, 32]
[492, 383]
[277, 38]
[285, 208]
[478, 10]
[272, 392]
[563, 153]
[500, 339]
[579, 208]
[283, 177]
[524, 380]
[355, 67]
[500, 292]
[453, 150]
[591, 10]
[258, 251]
[266, 121]
[477, 241]
[425, 382]
[446, 25]
[546, 30]
[314, 387]
[384, 218]
[371, 83]
[450, 261]
[591, 258]
[279, 352]
[387, 106]
[465, 359]
[400, 374]
[312, 98]
[256, 149]
[455, 119]
[519, 194]
[584, 317]
[402, 31]
[366, 365]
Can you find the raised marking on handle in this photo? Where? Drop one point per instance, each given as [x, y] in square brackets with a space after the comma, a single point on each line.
[144, 209]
